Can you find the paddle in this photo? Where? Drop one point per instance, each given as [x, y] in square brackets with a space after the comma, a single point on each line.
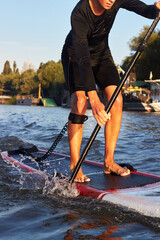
[140, 49]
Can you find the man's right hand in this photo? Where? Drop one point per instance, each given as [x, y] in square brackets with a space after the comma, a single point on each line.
[98, 108]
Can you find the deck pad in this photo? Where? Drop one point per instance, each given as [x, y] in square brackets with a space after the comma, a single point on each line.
[99, 180]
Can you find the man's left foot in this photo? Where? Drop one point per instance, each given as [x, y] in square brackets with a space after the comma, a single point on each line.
[106, 170]
[115, 168]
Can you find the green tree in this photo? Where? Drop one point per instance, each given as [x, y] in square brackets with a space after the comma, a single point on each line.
[28, 82]
[14, 66]
[16, 80]
[2, 83]
[7, 69]
[51, 77]
[125, 62]
[135, 41]
[149, 59]
[9, 83]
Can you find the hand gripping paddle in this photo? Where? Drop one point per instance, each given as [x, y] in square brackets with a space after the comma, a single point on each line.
[140, 49]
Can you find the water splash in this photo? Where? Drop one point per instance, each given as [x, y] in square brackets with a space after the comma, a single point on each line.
[60, 185]
[39, 180]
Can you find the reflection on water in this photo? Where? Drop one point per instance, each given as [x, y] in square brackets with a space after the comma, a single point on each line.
[104, 228]
[37, 215]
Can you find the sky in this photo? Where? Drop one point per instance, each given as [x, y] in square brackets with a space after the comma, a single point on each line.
[35, 31]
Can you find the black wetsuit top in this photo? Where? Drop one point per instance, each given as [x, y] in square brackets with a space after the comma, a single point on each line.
[87, 42]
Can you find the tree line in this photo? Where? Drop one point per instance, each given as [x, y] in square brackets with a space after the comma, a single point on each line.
[49, 74]
[51, 77]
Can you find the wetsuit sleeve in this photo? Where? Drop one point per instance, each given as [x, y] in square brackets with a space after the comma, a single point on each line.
[80, 31]
[148, 11]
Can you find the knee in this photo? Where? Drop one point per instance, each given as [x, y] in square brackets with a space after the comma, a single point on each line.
[79, 104]
[118, 104]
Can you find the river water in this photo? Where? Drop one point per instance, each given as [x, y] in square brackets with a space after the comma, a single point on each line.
[30, 214]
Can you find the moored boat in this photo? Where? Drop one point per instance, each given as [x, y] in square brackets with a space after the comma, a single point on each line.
[155, 94]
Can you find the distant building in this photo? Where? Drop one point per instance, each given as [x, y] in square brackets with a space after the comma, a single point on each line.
[4, 99]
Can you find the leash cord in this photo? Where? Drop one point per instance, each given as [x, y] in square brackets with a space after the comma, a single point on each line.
[49, 152]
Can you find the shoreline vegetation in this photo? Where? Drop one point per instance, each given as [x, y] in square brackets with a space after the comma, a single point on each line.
[16, 84]
[50, 75]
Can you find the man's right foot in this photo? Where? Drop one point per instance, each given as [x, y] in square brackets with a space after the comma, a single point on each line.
[80, 178]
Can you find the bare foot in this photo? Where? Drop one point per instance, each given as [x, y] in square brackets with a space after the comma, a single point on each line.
[81, 177]
[115, 168]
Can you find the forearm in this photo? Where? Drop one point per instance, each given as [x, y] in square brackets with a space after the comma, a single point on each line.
[139, 7]
[93, 97]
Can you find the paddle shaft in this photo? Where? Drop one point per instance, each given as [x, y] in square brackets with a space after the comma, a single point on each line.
[140, 49]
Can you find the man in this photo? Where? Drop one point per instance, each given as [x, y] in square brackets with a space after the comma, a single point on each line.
[87, 61]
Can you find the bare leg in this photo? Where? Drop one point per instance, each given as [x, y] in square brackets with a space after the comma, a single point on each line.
[75, 132]
[112, 129]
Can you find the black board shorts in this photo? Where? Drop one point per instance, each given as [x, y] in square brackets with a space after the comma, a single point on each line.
[105, 74]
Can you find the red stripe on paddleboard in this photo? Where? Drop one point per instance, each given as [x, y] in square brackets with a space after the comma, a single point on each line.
[16, 163]
[89, 192]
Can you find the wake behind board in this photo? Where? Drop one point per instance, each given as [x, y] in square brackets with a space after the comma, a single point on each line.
[138, 191]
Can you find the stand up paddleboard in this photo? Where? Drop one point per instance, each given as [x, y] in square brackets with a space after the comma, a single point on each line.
[139, 191]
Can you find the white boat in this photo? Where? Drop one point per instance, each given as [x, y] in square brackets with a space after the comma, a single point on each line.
[155, 106]
[155, 94]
